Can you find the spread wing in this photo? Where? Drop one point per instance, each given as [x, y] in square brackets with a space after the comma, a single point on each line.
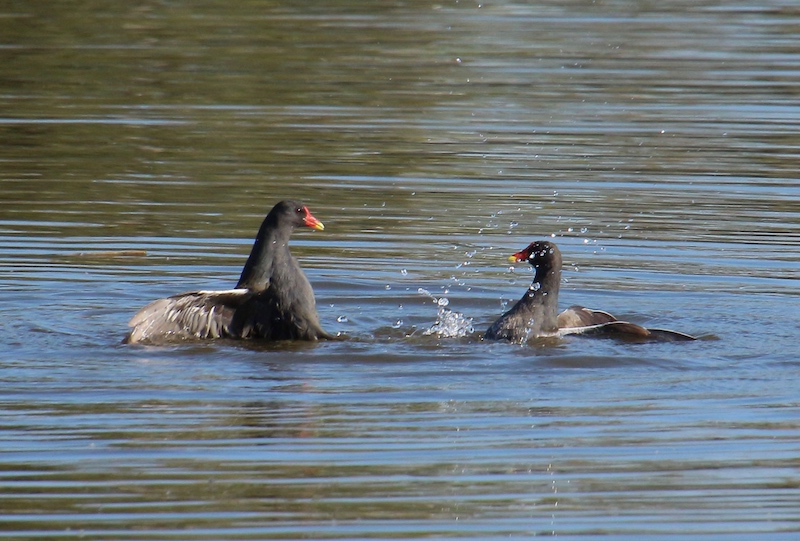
[579, 316]
[199, 314]
[667, 335]
[611, 329]
[588, 322]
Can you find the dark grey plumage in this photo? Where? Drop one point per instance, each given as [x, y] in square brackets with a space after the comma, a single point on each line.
[272, 301]
[534, 315]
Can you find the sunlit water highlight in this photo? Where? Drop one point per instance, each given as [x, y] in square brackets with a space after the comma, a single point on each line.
[656, 145]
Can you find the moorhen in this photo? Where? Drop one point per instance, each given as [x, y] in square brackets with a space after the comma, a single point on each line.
[272, 301]
[534, 315]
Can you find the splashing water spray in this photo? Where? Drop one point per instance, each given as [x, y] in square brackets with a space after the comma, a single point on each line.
[448, 324]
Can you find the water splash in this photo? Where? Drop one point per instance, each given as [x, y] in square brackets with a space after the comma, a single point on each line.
[448, 324]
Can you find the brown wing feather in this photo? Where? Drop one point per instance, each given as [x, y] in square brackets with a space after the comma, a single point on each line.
[579, 316]
[667, 335]
[580, 320]
[615, 329]
[624, 330]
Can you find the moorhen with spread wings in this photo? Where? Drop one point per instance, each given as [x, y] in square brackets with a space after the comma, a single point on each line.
[272, 301]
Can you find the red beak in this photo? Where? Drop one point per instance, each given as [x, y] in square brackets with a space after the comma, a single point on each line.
[519, 256]
[312, 222]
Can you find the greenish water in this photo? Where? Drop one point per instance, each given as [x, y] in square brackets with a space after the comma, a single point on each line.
[655, 143]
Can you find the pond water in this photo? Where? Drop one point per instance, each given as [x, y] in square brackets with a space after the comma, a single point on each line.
[655, 143]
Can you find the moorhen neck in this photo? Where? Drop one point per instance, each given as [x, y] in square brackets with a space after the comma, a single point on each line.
[534, 315]
[272, 301]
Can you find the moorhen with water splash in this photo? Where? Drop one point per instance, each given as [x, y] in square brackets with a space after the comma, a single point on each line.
[272, 301]
[535, 314]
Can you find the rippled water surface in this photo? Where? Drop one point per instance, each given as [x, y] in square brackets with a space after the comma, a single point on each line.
[655, 143]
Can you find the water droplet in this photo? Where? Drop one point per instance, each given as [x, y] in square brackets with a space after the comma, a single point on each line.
[536, 286]
[342, 319]
[404, 272]
[443, 301]
[397, 324]
[584, 230]
[387, 287]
